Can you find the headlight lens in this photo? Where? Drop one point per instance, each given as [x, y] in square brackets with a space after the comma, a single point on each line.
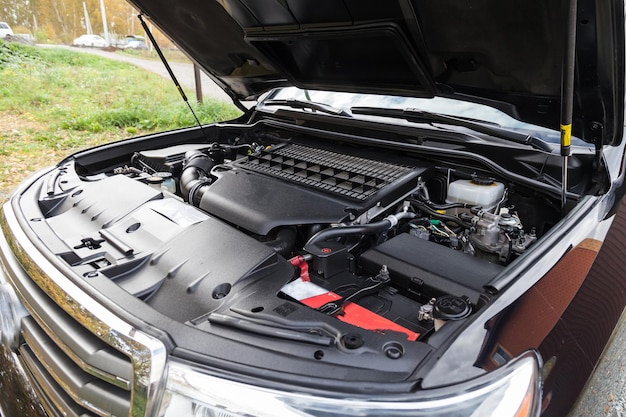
[510, 391]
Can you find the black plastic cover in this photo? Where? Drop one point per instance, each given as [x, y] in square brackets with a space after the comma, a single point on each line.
[430, 269]
[204, 267]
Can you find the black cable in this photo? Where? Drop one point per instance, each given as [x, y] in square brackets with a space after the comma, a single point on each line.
[446, 206]
[508, 255]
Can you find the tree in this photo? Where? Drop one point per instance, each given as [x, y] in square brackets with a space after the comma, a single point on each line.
[16, 12]
[64, 20]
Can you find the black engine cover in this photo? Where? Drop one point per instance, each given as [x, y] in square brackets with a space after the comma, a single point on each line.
[295, 184]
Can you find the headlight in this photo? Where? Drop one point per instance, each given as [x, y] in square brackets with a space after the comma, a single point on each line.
[510, 391]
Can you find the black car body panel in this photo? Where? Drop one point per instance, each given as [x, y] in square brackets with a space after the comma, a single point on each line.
[332, 261]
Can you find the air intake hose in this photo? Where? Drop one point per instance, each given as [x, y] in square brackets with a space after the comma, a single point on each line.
[195, 178]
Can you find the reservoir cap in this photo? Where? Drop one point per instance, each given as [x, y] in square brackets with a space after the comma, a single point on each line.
[451, 307]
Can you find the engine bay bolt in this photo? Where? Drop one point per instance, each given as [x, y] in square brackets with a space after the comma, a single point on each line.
[384, 271]
[394, 351]
[352, 340]
[425, 312]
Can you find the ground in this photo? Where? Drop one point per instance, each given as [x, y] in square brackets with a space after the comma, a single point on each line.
[14, 166]
[17, 162]
[605, 394]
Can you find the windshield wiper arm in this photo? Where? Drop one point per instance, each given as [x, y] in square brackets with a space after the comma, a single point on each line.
[297, 335]
[420, 116]
[303, 104]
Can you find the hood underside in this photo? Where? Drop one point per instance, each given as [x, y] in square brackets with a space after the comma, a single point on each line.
[496, 53]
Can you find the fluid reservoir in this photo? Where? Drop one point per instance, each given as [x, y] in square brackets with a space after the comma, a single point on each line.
[478, 191]
[450, 307]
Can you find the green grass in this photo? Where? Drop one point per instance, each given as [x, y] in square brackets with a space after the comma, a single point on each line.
[54, 102]
[76, 91]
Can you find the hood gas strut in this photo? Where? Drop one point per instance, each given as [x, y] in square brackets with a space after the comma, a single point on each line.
[567, 94]
[170, 72]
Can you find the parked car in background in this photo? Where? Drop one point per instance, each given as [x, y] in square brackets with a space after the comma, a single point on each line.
[90, 40]
[5, 30]
[27, 37]
[417, 214]
[135, 44]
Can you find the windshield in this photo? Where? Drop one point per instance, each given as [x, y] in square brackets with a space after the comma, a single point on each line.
[451, 107]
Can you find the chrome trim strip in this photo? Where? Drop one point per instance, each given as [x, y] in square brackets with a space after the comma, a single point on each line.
[147, 354]
[49, 399]
[99, 373]
[36, 350]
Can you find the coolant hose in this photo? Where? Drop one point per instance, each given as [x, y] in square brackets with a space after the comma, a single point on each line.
[446, 206]
[445, 217]
[195, 176]
[358, 230]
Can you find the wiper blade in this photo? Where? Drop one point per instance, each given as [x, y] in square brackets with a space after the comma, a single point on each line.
[252, 326]
[303, 104]
[420, 116]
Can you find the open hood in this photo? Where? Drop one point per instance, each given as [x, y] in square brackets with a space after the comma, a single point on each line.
[497, 53]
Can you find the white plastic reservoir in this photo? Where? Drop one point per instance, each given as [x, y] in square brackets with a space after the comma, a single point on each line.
[481, 192]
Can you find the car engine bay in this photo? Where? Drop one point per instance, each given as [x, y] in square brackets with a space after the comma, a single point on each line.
[242, 234]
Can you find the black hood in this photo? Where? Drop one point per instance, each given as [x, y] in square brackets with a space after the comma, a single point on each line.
[504, 54]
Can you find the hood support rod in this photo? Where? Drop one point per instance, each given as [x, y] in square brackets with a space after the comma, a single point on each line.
[567, 94]
[171, 73]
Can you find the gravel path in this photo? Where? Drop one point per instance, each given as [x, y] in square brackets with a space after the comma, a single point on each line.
[183, 71]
